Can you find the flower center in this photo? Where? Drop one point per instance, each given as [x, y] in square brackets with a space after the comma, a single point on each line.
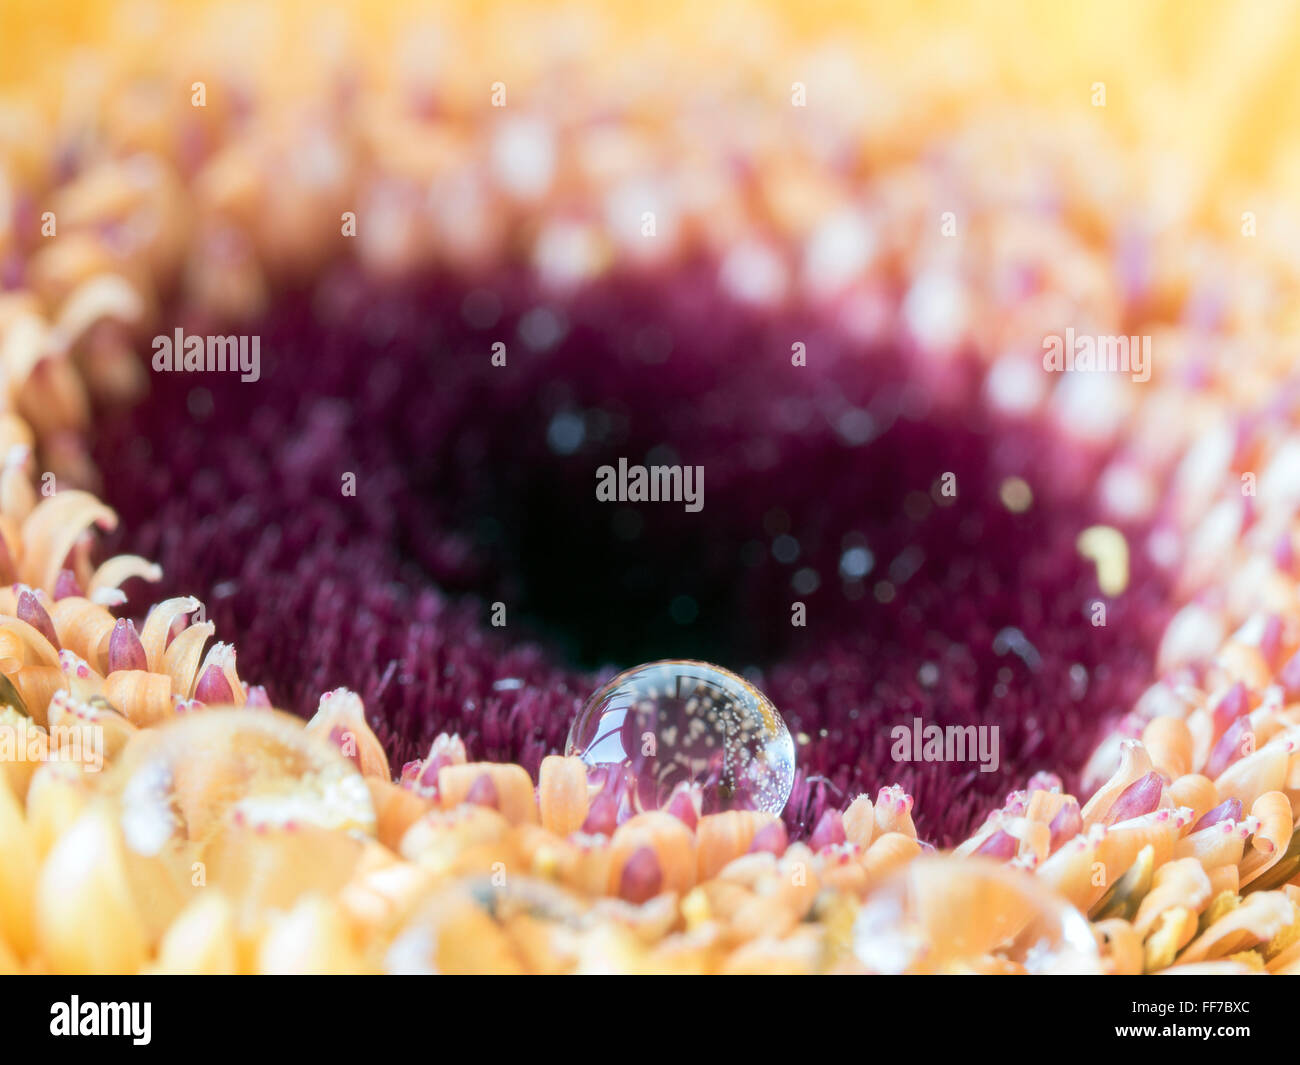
[459, 497]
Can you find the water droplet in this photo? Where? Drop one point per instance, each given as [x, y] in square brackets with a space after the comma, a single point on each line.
[666, 723]
[962, 915]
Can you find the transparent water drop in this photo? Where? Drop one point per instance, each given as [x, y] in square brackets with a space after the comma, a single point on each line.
[963, 915]
[672, 722]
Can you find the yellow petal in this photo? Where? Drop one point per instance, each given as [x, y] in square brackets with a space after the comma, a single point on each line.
[86, 920]
[201, 940]
[18, 865]
[313, 938]
[55, 799]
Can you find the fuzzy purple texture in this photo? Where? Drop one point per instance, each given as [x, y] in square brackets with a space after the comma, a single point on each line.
[476, 484]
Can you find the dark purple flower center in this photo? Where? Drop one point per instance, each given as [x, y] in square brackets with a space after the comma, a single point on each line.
[476, 484]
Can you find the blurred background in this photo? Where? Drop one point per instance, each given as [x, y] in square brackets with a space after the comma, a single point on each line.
[1215, 82]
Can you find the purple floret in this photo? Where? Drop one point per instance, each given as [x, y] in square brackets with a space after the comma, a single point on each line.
[475, 484]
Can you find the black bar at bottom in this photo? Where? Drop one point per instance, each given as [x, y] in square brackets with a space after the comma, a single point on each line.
[338, 1015]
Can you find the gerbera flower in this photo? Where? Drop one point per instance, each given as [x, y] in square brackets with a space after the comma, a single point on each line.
[1073, 592]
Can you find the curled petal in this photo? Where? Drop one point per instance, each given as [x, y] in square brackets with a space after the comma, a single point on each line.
[102, 296]
[1134, 764]
[1123, 897]
[106, 584]
[158, 627]
[53, 528]
[1250, 777]
[85, 629]
[1070, 870]
[144, 698]
[1168, 741]
[181, 659]
[1178, 883]
[1121, 843]
[1220, 844]
[1258, 919]
[36, 649]
[1194, 791]
[37, 686]
[1272, 810]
